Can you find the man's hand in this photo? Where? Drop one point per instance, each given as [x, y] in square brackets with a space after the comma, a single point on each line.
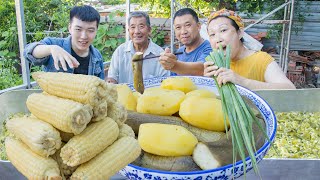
[167, 59]
[62, 57]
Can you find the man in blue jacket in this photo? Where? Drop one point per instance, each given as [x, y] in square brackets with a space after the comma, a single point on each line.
[74, 54]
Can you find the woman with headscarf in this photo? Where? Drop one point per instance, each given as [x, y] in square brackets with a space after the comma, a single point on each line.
[248, 68]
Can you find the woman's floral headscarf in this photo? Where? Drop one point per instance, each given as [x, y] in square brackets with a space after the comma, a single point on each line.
[227, 13]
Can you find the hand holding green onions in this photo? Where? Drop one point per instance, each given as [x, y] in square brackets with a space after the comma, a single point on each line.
[238, 112]
[222, 74]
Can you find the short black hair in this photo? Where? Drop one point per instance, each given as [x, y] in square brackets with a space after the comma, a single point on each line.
[85, 13]
[185, 11]
[140, 14]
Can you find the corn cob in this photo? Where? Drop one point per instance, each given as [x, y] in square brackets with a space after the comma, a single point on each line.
[112, 91]
[90, 142]
[65, 115]
[117, 112]
[81, 88]
[66, 170]
[109, 161]
[126, 130]
[40, 136]
[30, 164]
[100, 111]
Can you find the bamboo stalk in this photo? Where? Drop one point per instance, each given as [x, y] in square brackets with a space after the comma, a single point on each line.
[137, 72]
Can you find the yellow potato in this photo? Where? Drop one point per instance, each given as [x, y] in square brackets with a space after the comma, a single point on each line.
[166, 139]
[160, 102]
[152, 90]
[205, 113]
[183, 84]
[136, 95]
[126, 97]
[201, 93]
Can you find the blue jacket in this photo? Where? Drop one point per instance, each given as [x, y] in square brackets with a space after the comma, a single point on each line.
[95, 65]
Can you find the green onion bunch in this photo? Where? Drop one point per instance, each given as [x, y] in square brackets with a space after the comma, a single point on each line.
[238, 112]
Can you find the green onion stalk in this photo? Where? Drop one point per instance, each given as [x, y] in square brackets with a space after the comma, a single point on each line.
[239, 114]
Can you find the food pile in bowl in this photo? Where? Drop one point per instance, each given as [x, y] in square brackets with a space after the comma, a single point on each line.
[181, 130]
[86, 129]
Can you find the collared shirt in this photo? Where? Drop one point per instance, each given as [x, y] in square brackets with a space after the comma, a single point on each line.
[95, 63]
[121, 63]
[197, 55]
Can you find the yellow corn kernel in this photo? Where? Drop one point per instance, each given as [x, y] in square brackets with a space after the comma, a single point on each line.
[110, 161]
[126, 130]
[81, 88]
[94, 139]
[38, 135]
[117, 112]
[112, 91]
[29, 163]
[64, 114]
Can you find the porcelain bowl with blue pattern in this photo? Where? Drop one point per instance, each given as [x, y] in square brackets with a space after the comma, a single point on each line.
[225, 172]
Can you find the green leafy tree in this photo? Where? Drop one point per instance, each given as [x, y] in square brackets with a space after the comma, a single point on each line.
[113, 2]
[161, 8]
[157, 35]
[40, 15]
[109, 37]
[8, 73]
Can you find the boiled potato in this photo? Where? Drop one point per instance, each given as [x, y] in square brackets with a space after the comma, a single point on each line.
[160, 101]
[136, 95]
[152, 90]
[183, 84]
[205, 113]
[166, 139]
[201, 93]
[126, 97]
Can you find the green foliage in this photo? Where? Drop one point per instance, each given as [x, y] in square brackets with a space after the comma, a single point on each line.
[7, 14]
[249, 7]
[157, 35]
[161, 8]
[109, 37]
[8, 43]
[113, 2]
[40, 15]
[8, 73]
